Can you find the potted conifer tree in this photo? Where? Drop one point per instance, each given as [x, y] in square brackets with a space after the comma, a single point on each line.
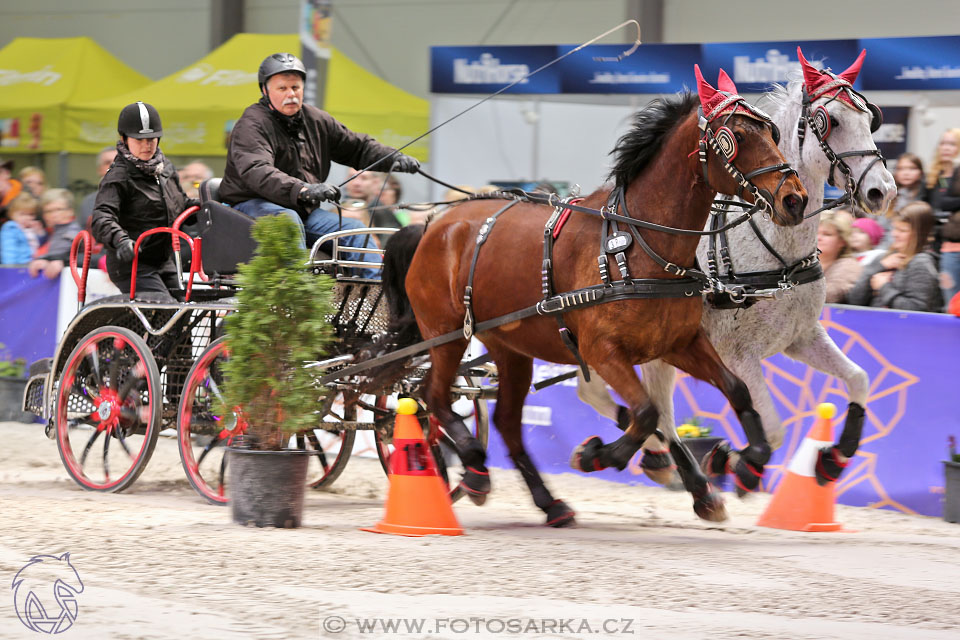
[12, 384]
[281, 322]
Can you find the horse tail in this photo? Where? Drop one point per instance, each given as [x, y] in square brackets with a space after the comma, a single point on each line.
[398, 254]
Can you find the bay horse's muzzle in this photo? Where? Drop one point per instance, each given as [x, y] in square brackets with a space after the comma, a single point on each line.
[788, 203]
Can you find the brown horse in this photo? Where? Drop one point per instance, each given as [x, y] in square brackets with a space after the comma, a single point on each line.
[659, 170]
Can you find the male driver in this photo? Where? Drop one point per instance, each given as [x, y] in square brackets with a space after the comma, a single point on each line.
[280, 153]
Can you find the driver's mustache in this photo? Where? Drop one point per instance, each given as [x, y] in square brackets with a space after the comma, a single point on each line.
[291, 101]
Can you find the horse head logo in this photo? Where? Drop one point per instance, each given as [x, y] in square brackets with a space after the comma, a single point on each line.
[45, 593]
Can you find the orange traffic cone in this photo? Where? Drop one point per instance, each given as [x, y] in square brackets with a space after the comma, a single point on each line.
[417, 500]
[800, 504]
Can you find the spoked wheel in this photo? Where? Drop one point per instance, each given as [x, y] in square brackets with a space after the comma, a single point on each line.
[204, 427]
[109, 408]
[205, 430]
[475, 415]
[331, 446]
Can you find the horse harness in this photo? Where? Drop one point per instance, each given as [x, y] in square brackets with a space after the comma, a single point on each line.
[744, 289]
[615, 242]
[689, 281]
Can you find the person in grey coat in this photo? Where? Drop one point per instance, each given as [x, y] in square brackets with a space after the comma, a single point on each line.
[906, 277]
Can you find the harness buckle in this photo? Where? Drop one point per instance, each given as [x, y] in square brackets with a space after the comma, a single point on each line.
[737, 294]
[674, 269]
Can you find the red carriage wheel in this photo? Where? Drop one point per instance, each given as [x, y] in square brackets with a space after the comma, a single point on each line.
[331, 446]
[108, 409]
[475, 415]
[205, 429]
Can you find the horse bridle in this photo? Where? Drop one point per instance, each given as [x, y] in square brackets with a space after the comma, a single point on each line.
[723, 142]
[818, 120]
[806, 269]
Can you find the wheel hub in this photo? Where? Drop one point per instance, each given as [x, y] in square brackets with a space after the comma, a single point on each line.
[104, 410]
[107, 409]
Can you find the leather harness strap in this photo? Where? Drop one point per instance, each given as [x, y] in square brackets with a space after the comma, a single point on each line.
[482, 236]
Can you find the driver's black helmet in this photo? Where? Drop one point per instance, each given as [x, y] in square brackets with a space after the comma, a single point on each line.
[139, 120]
[279, 63]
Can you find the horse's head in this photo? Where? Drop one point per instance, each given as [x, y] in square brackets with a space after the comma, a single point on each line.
[842, 121]
[739, 155]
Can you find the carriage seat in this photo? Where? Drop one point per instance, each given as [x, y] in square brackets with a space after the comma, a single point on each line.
[226, 232]
[210, 190]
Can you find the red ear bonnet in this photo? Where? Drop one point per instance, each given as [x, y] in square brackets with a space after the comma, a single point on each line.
[725, 98]
[724, 83]
[709, 98]
[850, 75]
[819, 84]
[812, 78]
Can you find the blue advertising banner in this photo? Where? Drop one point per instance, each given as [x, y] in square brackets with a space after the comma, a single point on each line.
[488, 69]
[28, 314]
[892, 64]
[912, 407]
[653, 68]
[912, 64]
[754, 66]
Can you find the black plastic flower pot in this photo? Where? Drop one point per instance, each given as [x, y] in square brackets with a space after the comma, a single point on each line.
[266, 487]
[951, 493]
[11, 397]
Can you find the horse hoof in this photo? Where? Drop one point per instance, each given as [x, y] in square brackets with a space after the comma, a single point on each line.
[659, 467]
[476, 484]
[560, 515]
[586, 457]
[829, 465]
[715, 462]
[746, 477]
[710, 506]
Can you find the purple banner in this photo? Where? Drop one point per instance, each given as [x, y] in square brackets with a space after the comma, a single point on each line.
[28, 314]
[912, 407]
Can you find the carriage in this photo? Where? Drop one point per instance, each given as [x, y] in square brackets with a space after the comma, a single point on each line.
[134, 367]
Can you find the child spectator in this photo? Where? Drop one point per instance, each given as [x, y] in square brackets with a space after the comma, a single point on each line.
[20, 235]
[58, 215]
[840, 268]
[906, 277]
[866, 236]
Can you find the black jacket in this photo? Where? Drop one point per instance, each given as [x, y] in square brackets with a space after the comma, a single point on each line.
[272, 160]
[130, 202]
[945, 196]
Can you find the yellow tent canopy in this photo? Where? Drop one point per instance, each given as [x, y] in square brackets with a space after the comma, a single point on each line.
[199, 105]
[39, 76]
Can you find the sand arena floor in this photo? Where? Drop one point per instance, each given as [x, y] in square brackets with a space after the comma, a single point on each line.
[159, 562]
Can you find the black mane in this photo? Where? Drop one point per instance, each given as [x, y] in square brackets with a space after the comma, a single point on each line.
[638, 146]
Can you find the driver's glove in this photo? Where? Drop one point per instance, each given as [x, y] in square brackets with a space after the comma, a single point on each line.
[405, 164]
[312, 195]
[125, 251]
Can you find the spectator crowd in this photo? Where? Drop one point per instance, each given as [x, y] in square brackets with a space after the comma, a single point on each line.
[908, 258]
